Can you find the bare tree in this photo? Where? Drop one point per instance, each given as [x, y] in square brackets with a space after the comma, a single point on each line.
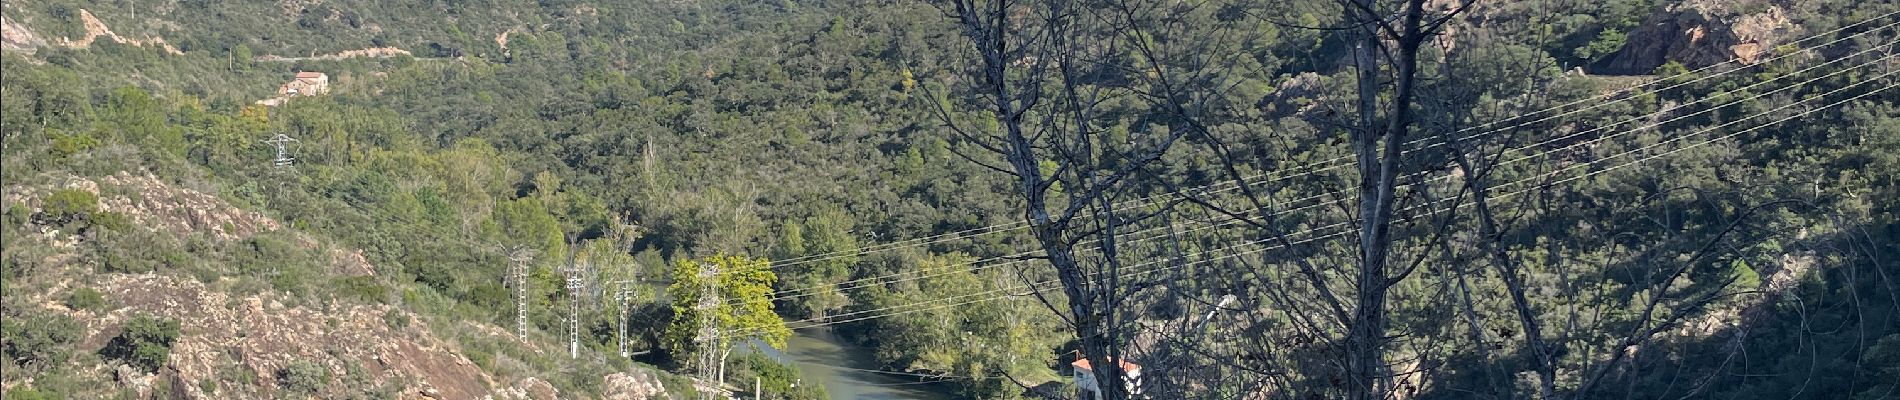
[1045, 74]
[1387, 39]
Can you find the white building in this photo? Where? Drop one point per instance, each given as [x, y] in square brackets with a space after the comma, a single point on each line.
[1085, 378]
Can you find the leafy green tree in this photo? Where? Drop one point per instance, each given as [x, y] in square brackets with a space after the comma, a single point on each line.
[1606, 43]
[1883, 361]
[813, 283]
[241, 57]
[526, 221]
[986, 340]
[720, 300]
[141, 119]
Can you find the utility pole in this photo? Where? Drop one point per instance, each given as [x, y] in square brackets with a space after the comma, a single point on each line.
[518, 276]
[283, 153]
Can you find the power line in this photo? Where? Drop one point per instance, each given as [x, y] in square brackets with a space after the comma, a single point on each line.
[1339, 161]
[870, 281]
[1514, 193]
[1460, 204]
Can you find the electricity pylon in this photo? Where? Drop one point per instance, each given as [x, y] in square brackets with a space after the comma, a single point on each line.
[624, 297]
[574, 286]
[709, 370]
[518, 276]
[281, 141]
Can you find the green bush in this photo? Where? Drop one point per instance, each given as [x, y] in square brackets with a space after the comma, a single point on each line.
[30, 394]
[303, 377]
[68, 205]
[38, 340]
[65, 144]
[482, 357]
[110, 221]
[17, 214]
[778, 377]
[363, 289]
[396, 320]
[86, 298]
[145, 342]
[279, 259]
[1607, 42]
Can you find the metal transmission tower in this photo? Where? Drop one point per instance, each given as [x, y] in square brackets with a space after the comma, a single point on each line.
[518, 276]
[624, 296]
[575, 283]
[710, 370]
[282, 141]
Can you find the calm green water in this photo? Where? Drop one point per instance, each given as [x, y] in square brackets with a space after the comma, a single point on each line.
[823, 357]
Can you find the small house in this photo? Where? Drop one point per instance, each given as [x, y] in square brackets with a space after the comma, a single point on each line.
[306, 83]
[1085, 378]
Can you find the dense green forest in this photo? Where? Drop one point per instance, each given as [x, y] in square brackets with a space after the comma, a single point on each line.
[1579, 213]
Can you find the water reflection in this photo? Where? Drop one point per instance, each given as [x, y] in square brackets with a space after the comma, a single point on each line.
[845, 369]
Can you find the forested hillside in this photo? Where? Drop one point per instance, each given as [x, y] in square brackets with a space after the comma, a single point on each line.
[1249, 199]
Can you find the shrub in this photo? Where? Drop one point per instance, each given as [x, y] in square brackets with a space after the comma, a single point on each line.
[482, 357]
[286, 265]
[303, 377]
[86, 298]
[363, 289]
[38, 340]
[67, 144]
[68, 205]
[396, 320]
[30, 394]
[17, 215]
[110, 221]
[205, 274]
[146, 343]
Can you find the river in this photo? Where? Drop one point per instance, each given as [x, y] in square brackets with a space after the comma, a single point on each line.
[845, 368]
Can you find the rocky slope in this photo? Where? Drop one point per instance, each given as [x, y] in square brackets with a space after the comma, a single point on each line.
[233, 344]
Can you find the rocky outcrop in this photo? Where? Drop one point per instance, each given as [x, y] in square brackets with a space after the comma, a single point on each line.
[15, 37]
[227, 338]
[638, 385]
[1297, 94]
[96, 29]
[372, 52]
[158, 205]
[233, 342]
[530, 388]
[154, 204]
[1699, 33]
